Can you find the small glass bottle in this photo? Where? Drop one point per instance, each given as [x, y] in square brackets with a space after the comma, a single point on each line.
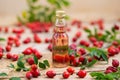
[60, 42]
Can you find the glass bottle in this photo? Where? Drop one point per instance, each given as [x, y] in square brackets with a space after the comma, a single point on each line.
[60, 42]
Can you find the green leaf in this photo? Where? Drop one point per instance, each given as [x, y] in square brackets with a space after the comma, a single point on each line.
[65, 2]
[113, 29]
[97, 74]
[108, 32]
[104, 56]
[35, 60]
[15, 78]
[42, 65]
[2, 39]
[91, 63]
[20, 64]
[11, 65]
[3, 74]
[46, 63]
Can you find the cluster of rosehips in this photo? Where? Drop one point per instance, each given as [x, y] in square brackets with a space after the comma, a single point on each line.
[30, 51]
[34, 72]
[113, 68]
[39, 26]
[14, 57]
[112, 50]
[66, 74]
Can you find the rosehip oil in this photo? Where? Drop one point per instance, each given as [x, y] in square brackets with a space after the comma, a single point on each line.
[60, 42]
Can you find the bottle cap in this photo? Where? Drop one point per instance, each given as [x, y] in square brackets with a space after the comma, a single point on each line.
[60, 13]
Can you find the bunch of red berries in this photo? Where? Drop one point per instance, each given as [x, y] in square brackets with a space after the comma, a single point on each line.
[34, 72]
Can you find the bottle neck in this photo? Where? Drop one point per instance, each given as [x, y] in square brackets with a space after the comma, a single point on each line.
[60, 25]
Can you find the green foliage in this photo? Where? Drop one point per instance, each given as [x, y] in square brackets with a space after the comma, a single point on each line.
[3, 74]
[100, 53]
[108, 36]
[103, 76]
[15, 78]
[2, 39]
[42, 13]
[44, 64]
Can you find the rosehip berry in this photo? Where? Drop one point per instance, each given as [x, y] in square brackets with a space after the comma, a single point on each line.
[10, 42]
[50, 47]
[73, 46]
[111, 51]
[70, 70]
[78, 34]
[9, 55]
[38, 55]
[116, 27]
[47, 40]
[82, 73]
[6, 29]
[34, 67]
[65, 74]
[17, 43]
[35, 73]
[113, 69]
[107, 71]
[28, 75]
[74, 39]
[115, 43]
[27, 51]
[82, 51]
[30, 61]
[50, 74]
[81, 59]
[1, 55]
[8, 48]
[115, 63]
[14, 57]
[27, 40]
[92, 39]
[37, 38]
[10, 38]
[75, 62]
[72, 57]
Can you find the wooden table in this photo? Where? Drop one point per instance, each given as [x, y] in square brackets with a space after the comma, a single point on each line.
[42, 47]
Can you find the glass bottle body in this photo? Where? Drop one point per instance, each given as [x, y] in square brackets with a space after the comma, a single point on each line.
[60, 46]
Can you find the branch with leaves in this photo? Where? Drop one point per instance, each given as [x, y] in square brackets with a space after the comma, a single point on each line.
[42, 13]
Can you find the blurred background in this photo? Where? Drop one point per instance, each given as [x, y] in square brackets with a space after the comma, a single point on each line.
[85, 10]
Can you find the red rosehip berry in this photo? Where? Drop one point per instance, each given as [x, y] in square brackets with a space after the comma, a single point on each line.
[8, 48]
[82, 51]
[17, 43]
[72, 57]
[113, 69]
[1, 49]
[116, 27]
[74, 39]
[1, 55]
[27, 40]
[115, 63]
[81, 59]
[66, 75]
[27, 51]
[50, 47]
[70, 70]
[92, 39]
[14, 57]
[50, 74]
[10, 42]
[35, 73]
[115, 43]
[30, 61]
[34, 67]
[75, 62]
[10, 38]
[6, 29]
[38, 55]
[82, 73]
[28, 75]
[78, 34]
[47, 40]
[37, 38]
[8, 55]
[107, 71]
